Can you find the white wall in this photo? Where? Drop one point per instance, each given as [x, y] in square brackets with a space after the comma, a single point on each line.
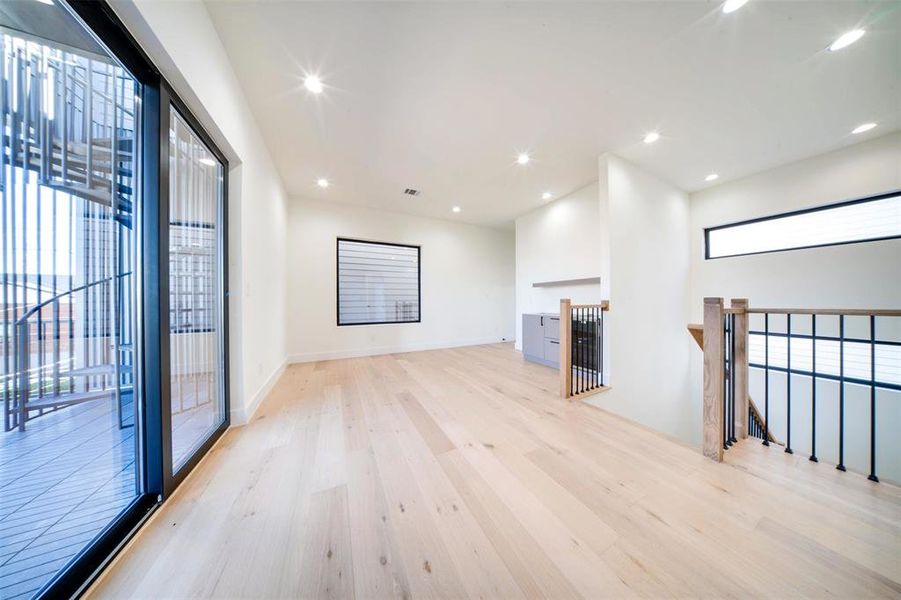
[467, 282]
[855, 275]
[181, 40]
[648, 221]
[866, 275]
[560, 240]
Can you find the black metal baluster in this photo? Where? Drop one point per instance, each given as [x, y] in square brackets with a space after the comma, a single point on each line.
[841, 393]
[813, 388]
[788, 385]
[572, 349]
[872, 476]
[578, 372]
[601, 359]
[582, 351]
[591, 330]
[588, 348]
[732, 372]
[575, 351]
[766, 379]
[727, 340]
[725, 383]
[586, 351]
[594, 347]
[583, 346]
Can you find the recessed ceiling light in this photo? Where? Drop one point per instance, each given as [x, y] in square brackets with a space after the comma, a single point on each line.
[313, 84]
[322, 182]
[456, 209]
[208, 162]
[846, 39]
[712, 177]
[864, 127]
[733, 5]
[546, 196]
[523, 158]
[651, 137]
[50, 2]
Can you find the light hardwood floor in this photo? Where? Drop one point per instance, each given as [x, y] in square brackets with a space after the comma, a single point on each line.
[461, 474]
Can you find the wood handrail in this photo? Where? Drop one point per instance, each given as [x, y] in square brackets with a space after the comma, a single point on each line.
[854, 312]
[603, 305]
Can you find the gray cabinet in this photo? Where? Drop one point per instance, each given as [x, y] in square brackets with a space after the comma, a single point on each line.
[541, 338]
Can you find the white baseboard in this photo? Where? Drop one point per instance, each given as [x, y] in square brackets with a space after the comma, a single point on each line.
[243, 415]
[378, 350]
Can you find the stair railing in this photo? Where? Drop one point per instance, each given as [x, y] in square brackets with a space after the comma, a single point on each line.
[807, 343]
[581, 348]
[68, 126]
[30, 382]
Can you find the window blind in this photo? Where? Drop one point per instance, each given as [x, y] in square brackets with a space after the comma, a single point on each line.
[377, 283]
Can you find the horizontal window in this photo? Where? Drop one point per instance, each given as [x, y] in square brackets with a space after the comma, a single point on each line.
[870, 219]
[377, 283]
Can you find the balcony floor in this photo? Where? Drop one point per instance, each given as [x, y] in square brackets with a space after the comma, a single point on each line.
[460, 473]
[63, 480]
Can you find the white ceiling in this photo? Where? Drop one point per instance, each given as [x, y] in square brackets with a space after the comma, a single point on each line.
[442, 96]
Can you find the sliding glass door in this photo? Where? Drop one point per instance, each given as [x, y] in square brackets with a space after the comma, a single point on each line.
[69, 204]
[196, 291]
[113, 336]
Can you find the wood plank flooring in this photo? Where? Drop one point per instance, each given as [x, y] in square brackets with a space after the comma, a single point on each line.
[461, 474]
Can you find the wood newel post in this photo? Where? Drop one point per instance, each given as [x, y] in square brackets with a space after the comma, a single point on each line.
[566, 371]
[741, 366]
[712, 435]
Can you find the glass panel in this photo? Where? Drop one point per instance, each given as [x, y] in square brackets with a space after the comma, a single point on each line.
[858, 222]
[377, 283]
[195, 290]
[68, 302]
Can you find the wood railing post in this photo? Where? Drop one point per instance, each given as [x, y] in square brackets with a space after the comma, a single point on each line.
[566, 370]
[741, 365]
[713, 427]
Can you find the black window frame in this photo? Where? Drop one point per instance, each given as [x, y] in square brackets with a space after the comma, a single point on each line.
[793, 213]
[338, 281]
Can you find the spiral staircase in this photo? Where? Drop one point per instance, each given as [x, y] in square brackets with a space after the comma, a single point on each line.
[66, 177]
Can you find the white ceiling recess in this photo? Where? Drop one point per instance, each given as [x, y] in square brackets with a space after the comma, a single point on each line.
[442, 97]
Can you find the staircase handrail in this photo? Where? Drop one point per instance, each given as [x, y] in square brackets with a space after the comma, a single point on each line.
[56, 298]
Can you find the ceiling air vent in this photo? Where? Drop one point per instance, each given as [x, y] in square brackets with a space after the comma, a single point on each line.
[412, 192]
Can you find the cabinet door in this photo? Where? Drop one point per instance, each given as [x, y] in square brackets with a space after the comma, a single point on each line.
[552, 351]
[532, 336]
[552, 328]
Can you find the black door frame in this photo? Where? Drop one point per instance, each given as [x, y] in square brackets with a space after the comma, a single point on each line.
[152, 421]
[169, 101]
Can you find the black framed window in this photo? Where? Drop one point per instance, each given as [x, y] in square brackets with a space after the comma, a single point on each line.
[378, 283]
[864, 220]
